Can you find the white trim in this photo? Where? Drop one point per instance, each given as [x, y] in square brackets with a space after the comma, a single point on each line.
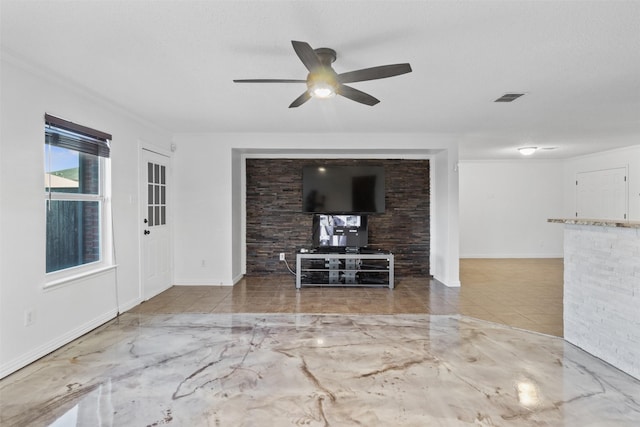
[511, 161]
[433, 234]
[81, 275]
[512, 255]
[55, 344]
[455, 284]
[139, 217]
[103, 197]
[82, 197]
[129, 305]
[161, 290]
[334, 154]
[198, 283]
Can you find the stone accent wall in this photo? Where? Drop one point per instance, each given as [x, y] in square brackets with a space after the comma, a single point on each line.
[602, 293]
[275, 222]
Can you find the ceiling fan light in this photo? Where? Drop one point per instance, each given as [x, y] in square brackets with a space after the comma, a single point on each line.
[322, 90]
[322, 83]
[527, 151]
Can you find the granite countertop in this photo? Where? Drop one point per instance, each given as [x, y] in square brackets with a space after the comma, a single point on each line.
[597, 222]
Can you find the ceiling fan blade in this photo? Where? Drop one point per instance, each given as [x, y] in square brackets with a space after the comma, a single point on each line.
[269, 81]
[307, 55]
[301, 99]
[374, 73]
[356, 95]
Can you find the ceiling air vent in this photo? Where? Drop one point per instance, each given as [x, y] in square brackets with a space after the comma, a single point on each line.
[509, 97]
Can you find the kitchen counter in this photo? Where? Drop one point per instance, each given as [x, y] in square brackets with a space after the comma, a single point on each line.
[597, 222]
[602, 289]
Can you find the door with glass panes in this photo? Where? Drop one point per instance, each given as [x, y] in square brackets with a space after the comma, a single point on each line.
[156, 242]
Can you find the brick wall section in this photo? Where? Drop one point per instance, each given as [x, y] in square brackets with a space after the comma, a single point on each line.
[275, 222]
[602, 293]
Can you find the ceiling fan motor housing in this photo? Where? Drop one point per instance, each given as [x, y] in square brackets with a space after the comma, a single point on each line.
[326, 55]
[322, 82]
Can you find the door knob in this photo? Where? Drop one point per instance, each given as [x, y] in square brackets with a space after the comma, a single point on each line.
[145, 220]
[147, 232]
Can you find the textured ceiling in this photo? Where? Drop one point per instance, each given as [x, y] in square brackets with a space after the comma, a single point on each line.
[172, 63]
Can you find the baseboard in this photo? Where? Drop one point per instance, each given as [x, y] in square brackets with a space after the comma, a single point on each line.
[514, 256]
[189, 283]
[235, 280]
[129, 305]
[448, 284]
[159, 292]
[55, 344]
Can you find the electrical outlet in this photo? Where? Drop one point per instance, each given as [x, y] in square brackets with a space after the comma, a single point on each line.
[28, 317]
[281, 256]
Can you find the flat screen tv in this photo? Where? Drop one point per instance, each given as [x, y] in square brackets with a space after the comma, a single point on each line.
[343, 189]
[340, 231]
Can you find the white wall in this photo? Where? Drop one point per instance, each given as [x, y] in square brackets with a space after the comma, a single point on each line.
[207, 225]
[445, 220]
[64, 312]
[504, 207]
[624, 157]
[203, 211]
[504, 204]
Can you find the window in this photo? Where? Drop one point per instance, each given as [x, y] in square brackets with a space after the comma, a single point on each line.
[157, 194]
[75, 182]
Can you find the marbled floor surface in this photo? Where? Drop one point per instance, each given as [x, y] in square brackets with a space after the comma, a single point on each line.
[317, 370]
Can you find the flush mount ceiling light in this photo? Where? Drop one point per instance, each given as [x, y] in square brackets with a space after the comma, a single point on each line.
[527, 151]
[323, 82]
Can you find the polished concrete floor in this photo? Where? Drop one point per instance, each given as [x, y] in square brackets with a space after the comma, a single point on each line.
[263, 354]
[523, 293]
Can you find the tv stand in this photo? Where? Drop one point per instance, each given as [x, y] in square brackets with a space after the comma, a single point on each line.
[339, 268]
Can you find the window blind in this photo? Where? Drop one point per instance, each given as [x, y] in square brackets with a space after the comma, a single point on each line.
[66, 134]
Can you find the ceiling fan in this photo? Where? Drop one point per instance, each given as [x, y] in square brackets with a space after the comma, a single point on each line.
[323, 82]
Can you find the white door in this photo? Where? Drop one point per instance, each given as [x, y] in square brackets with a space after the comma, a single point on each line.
[602, 194]
[156, 242]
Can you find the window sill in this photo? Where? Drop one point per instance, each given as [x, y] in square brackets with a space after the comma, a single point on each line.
[75, 277]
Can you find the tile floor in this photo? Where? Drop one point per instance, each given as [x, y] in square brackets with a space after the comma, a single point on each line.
[523, 293]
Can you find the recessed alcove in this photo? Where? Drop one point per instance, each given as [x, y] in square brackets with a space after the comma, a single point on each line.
[275, 222]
